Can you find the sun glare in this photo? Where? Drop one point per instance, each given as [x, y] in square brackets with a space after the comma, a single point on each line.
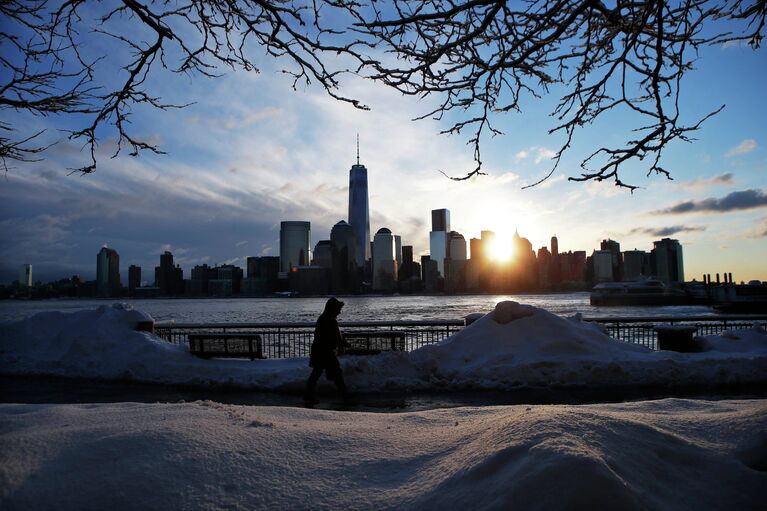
[501, 249]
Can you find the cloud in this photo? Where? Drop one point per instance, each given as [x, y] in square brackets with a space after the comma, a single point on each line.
[746, 199]
[521, 155]
[544, 153]
[703, 183]
[666, 231]
[744, 147]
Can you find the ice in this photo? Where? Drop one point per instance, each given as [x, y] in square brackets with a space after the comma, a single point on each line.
[514, 346]
[667, 454]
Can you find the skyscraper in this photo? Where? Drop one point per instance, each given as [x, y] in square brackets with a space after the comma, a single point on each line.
[345, 272]
[359, 213]
[384, 261]
[438, 237]
[554, 246]
[134, 277]
[25, 275]
[107, 272]
[667, 260]
[295, 239]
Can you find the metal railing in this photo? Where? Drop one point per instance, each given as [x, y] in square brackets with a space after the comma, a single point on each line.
[287, 340]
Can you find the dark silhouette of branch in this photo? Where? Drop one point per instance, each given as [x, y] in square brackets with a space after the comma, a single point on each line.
[475, 58]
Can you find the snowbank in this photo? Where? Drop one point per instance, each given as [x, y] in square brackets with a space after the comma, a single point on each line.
[669, 454]
[513, 346]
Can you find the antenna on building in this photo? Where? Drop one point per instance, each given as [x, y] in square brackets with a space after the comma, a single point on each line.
[358, 148]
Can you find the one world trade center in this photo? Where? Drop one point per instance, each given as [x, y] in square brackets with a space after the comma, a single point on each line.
[359, 214]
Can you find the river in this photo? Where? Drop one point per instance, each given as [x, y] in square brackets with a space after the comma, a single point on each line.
[357, 308]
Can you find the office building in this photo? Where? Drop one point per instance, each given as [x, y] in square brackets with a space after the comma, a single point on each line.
[134, 278]
[602, 261]
[25, 276]
[635, 264]
[667, 260]
[168, 278]
[440, 220]
[384, 261]
[295, 240]
[359, 213]
[554, 246]
[261, 275]
[438, 238]
[107, 272]
[323, 254]
[345, 274]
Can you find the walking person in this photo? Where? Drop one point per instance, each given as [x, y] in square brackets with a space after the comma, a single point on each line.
[327, 341]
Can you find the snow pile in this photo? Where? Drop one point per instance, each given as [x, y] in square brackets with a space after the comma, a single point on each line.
[668, 454]
[514, 346]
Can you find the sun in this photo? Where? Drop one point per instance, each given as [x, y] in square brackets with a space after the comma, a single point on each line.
[501, 248]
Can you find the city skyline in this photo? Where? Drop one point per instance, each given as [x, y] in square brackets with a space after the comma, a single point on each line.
[223, 200]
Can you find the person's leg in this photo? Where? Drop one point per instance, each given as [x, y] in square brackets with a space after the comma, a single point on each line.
[311, 383]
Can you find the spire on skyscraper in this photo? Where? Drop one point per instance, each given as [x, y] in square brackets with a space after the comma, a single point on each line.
[358, 148]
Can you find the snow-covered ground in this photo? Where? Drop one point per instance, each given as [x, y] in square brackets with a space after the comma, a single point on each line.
[668, 454]
[514, 346]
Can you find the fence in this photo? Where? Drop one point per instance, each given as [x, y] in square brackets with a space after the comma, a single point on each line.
[286, 340]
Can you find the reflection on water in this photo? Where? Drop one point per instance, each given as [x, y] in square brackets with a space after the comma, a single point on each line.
[358, 308]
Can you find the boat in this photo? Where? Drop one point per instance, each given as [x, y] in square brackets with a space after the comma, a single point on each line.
[640, 292]
[742, 298]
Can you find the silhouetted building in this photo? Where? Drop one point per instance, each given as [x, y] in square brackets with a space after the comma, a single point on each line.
[636, 264]
[359, 214]
[615, 249]
[667, 260]
[554, 246]
[134, 278]
[323, 254]
[345, 273]
[261, 275]
[25, 276]
[430, 275]
[440, 220]
[310, 280]
[295, 240]
[602, 261]
[107, 272]
[201, 275]
[438, 238]
[384, 261]
[455, 263]
[168, 278]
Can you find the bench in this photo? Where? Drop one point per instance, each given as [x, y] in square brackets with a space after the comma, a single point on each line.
[677, 338]
[372, 342]
[228, 345]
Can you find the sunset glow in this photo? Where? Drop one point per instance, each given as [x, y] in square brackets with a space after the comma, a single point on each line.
[501, 249]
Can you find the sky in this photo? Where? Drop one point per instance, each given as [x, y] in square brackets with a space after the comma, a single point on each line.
[251, 152]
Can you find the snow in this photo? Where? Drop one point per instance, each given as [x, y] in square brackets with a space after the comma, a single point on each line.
[667, 454]
[514, 346]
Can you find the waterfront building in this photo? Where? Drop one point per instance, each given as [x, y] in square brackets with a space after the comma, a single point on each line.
[430, 274]
[398, 249]
[295, 240]
[667, 260]
[201, 275]
[615, 249]
[107, 272]
[134, 278]
[345, 274]
[261, 275]
[440, 220]
[323, 254]
[384, 261]
[359, 210]
[602, 260]
[438, 238]
[554, 246]
[233, 274]
[310, 280]
[636, 264]
[455, 263]
[476, 252]
[25, 276]
[168, 278]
